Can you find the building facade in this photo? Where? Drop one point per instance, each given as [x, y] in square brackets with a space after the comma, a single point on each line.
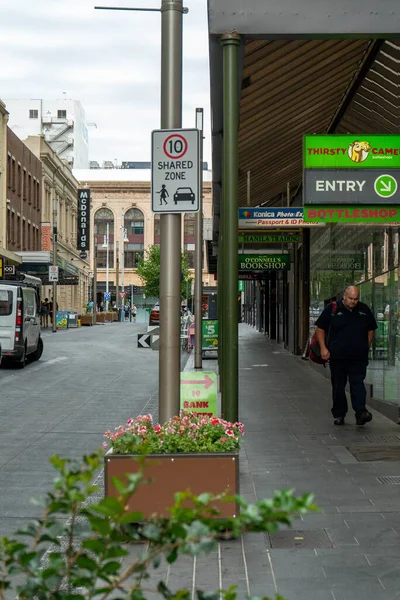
[122, 207]
[7, 256]
[24, 196]
[59, 211]
[62, 122]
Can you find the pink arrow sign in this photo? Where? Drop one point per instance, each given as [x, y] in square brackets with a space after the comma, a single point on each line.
[207, 381]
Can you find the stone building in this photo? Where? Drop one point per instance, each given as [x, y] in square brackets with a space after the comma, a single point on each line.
[121, 199]
[59, 209]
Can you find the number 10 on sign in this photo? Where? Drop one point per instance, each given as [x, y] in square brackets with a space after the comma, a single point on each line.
[175, 172]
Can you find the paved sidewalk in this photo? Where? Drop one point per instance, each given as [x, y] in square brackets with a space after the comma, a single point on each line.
[351, 549]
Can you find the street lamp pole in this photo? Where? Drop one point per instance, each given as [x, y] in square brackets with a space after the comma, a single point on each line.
[172, 12]
[123, 254]
[55, 257]
[94, 274]
[106, 243]
[170, 224]
[198, 256]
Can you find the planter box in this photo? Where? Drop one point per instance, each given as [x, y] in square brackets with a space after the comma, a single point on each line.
[171, 473]
[100, 317]
[86, 319]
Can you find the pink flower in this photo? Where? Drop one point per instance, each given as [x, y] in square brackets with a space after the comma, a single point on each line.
[142, 430]
[223, 439]
[157, 428]
[215, 421]
[129, 421]
[107, 433]
[230, 433]
[105, 445]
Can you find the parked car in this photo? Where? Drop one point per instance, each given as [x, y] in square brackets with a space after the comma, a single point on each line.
[20, 338]
[184, 193]
[155, 315]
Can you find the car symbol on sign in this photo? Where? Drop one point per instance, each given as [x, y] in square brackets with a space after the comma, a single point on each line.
[184, 193]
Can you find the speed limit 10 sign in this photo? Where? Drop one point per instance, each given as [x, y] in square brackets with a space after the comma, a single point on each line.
[175, 173]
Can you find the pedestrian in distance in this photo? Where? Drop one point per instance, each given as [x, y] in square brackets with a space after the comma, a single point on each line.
[345, 332]
[44, 313]
[134, 311]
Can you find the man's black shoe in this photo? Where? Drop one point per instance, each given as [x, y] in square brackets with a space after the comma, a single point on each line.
[363, 417]
[339, 421]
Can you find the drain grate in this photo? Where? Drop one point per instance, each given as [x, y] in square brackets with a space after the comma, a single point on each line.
[389, 479]
[371, 453]
[383, 439]
[317, 538]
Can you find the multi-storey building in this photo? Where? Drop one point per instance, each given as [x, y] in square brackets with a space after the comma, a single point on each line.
[7, 256]
[62, 123]
[24, 196]
[58, 210]
[121, 203]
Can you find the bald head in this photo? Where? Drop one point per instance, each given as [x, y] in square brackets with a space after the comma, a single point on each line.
[351, 297]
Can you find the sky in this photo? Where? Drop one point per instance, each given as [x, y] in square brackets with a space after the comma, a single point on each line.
[109, 60]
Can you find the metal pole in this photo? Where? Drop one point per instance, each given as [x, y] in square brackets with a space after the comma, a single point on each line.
[123, 255]
[117, 276]
[55, 257]
[230, 47]
[130, 312]
[94, 274]
[198, 256]
[248, 188]
[107, 263]
[170, 224]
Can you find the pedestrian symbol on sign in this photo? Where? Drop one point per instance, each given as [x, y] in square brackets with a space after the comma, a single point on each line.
[163, 194]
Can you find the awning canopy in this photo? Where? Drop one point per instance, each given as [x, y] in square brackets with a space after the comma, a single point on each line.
[291, 87]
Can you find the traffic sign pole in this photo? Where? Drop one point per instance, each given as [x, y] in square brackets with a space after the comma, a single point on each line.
[198, 255]
[170, 224]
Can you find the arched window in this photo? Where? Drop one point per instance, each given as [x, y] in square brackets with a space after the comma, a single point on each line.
[134, 247]
[189, 238]
[157, 231]
[103, 217]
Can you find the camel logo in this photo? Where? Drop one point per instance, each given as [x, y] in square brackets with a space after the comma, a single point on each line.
[359, 151]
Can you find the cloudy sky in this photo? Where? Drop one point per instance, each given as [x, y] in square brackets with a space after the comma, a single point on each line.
[109, 60]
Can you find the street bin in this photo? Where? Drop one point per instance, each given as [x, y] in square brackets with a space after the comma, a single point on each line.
[72, 319]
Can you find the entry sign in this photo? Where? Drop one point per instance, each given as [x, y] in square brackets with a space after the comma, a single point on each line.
[199, 392]
[175, 173]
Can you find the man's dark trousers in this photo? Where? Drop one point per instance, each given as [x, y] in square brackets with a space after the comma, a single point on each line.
[355, 371]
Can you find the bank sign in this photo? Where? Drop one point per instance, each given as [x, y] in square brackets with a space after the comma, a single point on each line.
[264, 262]
[83, 232]
[361, 151]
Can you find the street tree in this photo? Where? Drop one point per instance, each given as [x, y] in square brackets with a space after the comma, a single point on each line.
[149, 272]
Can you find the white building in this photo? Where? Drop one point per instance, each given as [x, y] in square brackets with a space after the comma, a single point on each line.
[62, 122]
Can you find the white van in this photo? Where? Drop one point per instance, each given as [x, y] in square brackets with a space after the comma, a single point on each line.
[20, 338]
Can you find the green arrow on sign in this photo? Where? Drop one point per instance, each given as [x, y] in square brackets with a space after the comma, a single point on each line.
[385, 186]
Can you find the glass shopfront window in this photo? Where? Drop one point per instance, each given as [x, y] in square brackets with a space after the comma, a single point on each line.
[369, 258]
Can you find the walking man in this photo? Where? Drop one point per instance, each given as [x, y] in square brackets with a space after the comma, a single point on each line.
[345, 333]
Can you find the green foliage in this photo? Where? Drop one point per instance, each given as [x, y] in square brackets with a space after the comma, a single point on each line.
[85, 554]
[149, 272]
[186, 433]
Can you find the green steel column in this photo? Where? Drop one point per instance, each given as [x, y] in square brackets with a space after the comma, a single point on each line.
[229, 375]
[220, 296]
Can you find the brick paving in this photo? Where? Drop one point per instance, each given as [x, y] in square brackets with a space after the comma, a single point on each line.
[290, 442]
